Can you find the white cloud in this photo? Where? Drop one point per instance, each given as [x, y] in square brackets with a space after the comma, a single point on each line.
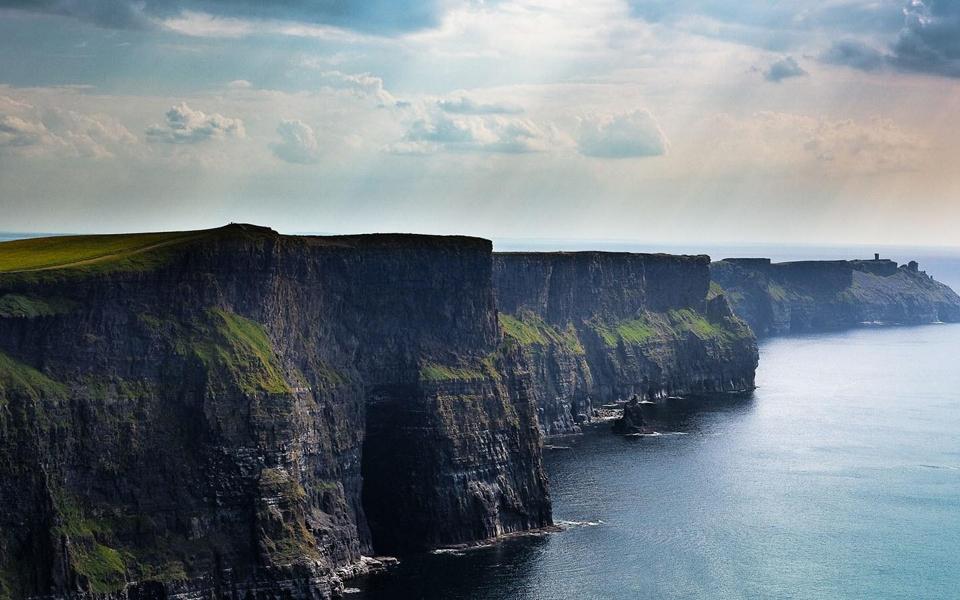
[435, 132]
[239, 84]
[626, 135]
[31, 131]
[463, 105]
[20, 133]
[187, 126]
[298, 143]
[361, 84]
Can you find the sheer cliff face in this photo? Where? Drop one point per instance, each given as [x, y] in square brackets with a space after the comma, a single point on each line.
[802, 296]
[596, 327]
[245, 411]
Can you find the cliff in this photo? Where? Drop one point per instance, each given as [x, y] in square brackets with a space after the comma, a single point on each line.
[599, 327]
[791, 297]
[236, 413]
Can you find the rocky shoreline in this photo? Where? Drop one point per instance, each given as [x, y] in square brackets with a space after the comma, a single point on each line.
[234, 413]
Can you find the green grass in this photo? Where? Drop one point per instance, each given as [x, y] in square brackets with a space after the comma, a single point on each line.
[671, 325]
[81, 250]
[529, 329]
[636, 331]
[436, 372]
[776, 291]
[16, 377]
[103, 566]
[16, 305]
[287, 541]
[241, 349]
[714, 290]
[54, 258]
[687, 319]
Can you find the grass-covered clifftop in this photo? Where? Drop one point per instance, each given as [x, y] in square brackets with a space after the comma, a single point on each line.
[778, 298]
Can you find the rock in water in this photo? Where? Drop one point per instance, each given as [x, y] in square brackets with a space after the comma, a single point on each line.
[632, 420]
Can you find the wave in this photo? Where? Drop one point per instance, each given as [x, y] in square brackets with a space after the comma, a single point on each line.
[563, 524]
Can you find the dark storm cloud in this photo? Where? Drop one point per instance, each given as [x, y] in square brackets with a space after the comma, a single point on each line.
[117, 14]
[382, 16]
[856, 54]
[784, 68]
[789, 18]
[916, 35]
[930, 38]
[928, 42]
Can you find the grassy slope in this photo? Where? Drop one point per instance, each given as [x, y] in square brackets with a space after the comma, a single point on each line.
[76, 250]
[529, 329]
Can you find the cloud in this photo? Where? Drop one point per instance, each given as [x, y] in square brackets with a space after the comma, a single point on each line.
[928, 42]
[440, 132]
[784, 68]
[799, 143]
[94, 136]
[116, 14]
[466, 106]
[930, 39]
[855, 54]
[187, 126]
[16, 132]
[239, 84]
[376, 16]
[363, 84]
[59, 132]
[775, 25]
[627, 135]
[298, 143]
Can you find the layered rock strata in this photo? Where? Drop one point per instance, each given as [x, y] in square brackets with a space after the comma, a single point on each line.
[239, 414]
[796, 297]
[598, 328]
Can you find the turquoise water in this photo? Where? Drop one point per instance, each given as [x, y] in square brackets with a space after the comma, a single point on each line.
[839, 477]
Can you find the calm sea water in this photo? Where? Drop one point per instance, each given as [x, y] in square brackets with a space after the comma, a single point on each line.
[839, 477]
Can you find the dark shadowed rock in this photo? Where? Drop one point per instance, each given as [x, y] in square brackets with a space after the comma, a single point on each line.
[597, 327]
[778, 298]
[632, 420]
[236, 413]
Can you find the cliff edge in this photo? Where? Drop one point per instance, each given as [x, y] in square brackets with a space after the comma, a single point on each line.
[600, 327]
[792, 297]
[237, 413]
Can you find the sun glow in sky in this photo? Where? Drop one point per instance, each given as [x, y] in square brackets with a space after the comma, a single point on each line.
[658, 121]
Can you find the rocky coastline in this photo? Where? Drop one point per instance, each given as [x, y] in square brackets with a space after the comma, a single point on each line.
[597, 328]
[234, 413]
[807, 296]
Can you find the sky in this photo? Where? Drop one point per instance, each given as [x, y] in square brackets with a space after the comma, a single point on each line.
[657, 121]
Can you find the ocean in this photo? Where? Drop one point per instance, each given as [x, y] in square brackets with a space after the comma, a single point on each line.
[839, 477]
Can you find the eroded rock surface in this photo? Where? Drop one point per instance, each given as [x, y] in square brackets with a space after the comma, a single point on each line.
[793, 297]
[600, 327]
[241, 414]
